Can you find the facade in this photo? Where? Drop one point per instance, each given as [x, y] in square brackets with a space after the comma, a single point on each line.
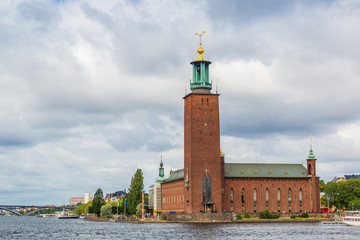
[208, 184]
[86, 197]
[75, 200]
[113, 197]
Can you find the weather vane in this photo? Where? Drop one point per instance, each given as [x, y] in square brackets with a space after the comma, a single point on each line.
[200, 35]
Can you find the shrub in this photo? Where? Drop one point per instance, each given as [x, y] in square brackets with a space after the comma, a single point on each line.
[293, 216]
[105, 211]
[238, 216]
[139, 210]
[247, 215]
[304, 215]
[266, 215]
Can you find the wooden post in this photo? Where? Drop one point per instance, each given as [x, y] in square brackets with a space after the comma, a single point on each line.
[143, 209]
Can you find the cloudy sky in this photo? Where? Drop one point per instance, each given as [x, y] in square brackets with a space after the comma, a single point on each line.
[92, 90]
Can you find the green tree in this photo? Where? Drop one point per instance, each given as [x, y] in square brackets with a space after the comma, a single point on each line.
[139, 210]
[106, 210]
[134, 196]
[322, 185]
[83, 208]
[343, 193]
[98, 202]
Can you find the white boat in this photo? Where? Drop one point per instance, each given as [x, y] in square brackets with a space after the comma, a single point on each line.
[352, 218]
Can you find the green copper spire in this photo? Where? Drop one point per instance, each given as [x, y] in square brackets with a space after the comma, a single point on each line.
[161, 169]
[200, 71]
[311, 154]
[161, 178]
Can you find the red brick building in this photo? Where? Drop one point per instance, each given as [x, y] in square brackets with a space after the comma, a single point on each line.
[208, 184]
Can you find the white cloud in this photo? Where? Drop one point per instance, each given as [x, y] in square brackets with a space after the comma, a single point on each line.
[90, 91]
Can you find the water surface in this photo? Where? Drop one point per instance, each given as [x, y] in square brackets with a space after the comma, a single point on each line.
[52, 228]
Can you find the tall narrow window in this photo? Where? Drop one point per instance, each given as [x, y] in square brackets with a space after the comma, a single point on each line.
[300, 195]
[204, 189]
[289, 195]
[289, 199]
[243, 196]
[209, 189]
[267, 195]
[243, 199]
[231, 195]
[278, 195]
[254, 195]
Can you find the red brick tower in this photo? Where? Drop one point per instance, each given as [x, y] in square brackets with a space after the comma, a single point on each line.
[314, 183]
[202, 163]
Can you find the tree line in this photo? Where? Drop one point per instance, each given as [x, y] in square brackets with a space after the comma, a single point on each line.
[133, 199]
[342, 195]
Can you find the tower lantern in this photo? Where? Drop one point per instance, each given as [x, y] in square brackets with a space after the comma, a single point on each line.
[200, 81]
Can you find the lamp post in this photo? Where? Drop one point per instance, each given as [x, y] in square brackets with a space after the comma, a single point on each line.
[143, 203]
[352, 207]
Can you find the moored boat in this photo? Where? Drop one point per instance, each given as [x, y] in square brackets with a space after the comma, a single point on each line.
[352, 218]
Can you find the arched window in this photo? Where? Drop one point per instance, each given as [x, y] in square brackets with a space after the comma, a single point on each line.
[267, 195]
[278, 195]
[204, 189]
[300, 195]
[254, 196]
[243, 196]
[209, 189]
[231, 195]
[289, 195]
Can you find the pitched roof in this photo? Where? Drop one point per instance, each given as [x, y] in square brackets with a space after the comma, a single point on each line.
[175, 175]
[352, 176]
[265, 170]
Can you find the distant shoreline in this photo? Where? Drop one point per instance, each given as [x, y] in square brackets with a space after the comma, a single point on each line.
[241, 221]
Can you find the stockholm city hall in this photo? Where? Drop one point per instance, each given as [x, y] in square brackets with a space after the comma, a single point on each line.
[208, 184]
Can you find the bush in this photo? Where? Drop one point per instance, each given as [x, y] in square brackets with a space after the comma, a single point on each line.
[238, 216]
[266, 215]
[293, 216]
[304, 215]
[247, 215]
[139, 210]
[105, 211]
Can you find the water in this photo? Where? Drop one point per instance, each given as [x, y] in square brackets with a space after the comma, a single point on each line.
[52, 228]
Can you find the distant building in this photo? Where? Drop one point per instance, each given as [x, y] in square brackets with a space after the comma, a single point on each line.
[353, 176]
[112, 197]
[86, 197]
[75, 200]
[345, 178]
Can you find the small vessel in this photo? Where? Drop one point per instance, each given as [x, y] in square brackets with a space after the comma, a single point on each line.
[66, 215]
[352, 218]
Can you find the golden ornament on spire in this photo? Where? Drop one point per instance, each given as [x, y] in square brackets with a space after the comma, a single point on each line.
[200, 50]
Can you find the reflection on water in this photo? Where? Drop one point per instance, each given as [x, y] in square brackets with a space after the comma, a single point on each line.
[51, 228]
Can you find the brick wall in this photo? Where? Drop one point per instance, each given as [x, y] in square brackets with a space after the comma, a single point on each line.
[173, 195]
[202, 150]
[272, 184]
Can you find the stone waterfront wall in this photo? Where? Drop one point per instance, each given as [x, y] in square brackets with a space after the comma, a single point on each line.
[198, 217]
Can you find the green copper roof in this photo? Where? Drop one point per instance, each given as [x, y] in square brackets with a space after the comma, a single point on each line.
[200, 75]
[311, 154]
[265, 170]
[175, 175]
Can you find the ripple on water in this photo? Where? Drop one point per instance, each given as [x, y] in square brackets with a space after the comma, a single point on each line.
[51, 228]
